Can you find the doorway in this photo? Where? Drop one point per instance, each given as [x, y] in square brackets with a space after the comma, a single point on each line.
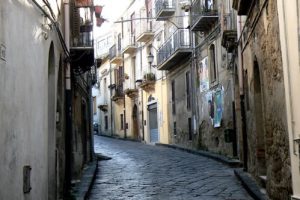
[153, 125]
[259, 121]
[135, 122]
[51, 125]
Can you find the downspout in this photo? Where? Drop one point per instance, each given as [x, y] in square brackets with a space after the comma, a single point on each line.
[124, 103]
[111, 105]
[142, 95]
[68, 138]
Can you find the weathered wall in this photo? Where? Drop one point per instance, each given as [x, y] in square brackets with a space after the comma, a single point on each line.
[263, 48]
[81, 125]
[211, 137]
[24, 99]
[182, 114]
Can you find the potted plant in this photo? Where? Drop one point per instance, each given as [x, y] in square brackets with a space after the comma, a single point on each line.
[149, 77]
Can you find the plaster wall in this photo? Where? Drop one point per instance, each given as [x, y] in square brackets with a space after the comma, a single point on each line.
[24, 99]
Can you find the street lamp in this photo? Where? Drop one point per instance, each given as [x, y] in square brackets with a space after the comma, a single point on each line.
[150, 59]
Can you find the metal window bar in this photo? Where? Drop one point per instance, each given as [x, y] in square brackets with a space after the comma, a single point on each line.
[180, 39]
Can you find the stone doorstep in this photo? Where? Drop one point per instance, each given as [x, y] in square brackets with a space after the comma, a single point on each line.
[225, 160]
[81, 188]
[250, 185]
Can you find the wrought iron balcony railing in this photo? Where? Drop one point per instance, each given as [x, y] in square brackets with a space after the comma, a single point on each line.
[164, 9]
[115, 54]
[176, 48]
[145, 32]
[204, 14]
[129, 44]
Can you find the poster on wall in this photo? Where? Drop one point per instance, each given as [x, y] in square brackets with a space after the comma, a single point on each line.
[203, 75]
[218, 108]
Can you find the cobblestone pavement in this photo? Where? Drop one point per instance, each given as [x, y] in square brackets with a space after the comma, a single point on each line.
[141, 172]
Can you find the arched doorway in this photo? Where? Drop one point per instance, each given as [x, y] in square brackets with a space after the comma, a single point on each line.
[259, 121]
[135, 126]
[51, 125]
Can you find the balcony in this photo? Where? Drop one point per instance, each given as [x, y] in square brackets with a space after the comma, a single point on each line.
[242, 6]
[115, 55]
[131, 93]
[204, 15]
[118, 96]
[164, 9]
[148, 83]
[82, 47]
[144, 32]
[229, 33]
[174, 50]
[103, 107]
[129, 45]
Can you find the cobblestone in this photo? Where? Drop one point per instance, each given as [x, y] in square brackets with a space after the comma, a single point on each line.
[145, 172]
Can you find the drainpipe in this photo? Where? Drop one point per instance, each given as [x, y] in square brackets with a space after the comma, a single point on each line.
[68, 138]
[142, 94]
[241, 85]
[111, 105]
[124, 103]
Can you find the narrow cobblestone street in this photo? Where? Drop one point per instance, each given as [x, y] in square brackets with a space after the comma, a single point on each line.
[138, 171]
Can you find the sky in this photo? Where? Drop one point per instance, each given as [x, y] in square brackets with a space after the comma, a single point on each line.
[112, 10]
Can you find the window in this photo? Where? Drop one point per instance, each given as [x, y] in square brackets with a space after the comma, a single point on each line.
[190, 128]
[174, 128]
[106, 122]
[122, 121]
[173, 98]
[132, 24]
[212, 64]
[104, 89]
[94, 105]
[188, 93]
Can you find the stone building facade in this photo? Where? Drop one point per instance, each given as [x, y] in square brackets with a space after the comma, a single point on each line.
[267, 146]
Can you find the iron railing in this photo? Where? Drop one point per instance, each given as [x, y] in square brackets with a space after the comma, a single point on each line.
[114, 52]
[128, 41]
[180, 39]
[163, 4]
[201, 8]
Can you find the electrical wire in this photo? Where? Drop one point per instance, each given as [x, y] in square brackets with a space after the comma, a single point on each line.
[53, 21]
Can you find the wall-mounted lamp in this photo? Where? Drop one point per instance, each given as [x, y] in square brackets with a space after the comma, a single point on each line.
[150, 58]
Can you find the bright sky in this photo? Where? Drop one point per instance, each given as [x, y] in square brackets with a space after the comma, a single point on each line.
[112, 10]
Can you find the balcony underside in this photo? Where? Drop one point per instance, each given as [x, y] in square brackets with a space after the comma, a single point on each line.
[145, 37]
[229, 38]
[103, 107]
[164, 14]
[82, 58]
[173, 60]
[242, 6]
[116, 60]
[131, 93]
[204, 23]
[148, 85]
[130, 49]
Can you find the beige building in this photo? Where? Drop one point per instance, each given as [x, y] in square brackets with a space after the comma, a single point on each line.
[137, 88]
